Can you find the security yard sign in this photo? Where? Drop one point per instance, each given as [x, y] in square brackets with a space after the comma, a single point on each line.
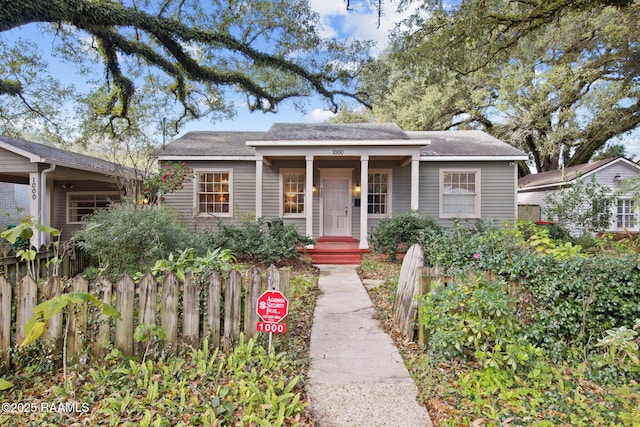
[272, 306]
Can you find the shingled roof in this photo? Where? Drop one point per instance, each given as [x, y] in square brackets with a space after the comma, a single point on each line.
[437, 144]
[464, 143]
[560, 176]
[211, 143]
[334, 131]
[41, 153]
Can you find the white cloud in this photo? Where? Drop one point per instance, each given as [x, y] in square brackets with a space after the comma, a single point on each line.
[360, 22]
[319, 116]
[631, 143]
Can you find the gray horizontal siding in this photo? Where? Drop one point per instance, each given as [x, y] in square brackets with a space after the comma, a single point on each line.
[498, 199]
[271, 192]
[59, 204]
[11, 162]
[243, 194]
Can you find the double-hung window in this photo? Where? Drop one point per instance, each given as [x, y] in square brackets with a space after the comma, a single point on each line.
[293, 192]
[460, 193]
[626, 214]
[213, 193]
[379, 192]
[83, 203]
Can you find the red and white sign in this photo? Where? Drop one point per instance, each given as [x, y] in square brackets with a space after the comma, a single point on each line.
[275, 328]
[272, 306]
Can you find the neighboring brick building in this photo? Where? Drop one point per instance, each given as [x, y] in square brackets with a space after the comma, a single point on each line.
[14, 203]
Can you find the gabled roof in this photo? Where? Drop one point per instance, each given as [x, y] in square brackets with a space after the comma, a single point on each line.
[334, 131]
[568, 175]
[40, 153]
[463, 144]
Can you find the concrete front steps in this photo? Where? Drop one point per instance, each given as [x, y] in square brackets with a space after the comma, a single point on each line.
[336, 250]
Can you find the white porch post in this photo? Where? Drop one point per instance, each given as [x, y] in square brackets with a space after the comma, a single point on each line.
[308, 192]
[364, 200]
[259, 159]
[415, 183]
[35, 196]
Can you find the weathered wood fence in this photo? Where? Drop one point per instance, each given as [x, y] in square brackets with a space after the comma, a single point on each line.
[415, 280]
[216, 308]
[73, 262]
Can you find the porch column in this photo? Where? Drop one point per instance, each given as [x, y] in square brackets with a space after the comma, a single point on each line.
[308, 195]
[364, 200]
[35, 197]
[259, 159]
[415, 182]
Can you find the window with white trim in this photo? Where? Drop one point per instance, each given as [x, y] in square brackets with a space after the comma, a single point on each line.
[460, 193]
[626, 214]
[83, 203]
[213, 192]
[293, 191]
[379, 192]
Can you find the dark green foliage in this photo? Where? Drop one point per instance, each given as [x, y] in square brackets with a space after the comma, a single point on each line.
[579, 298]
[475, 315]
[569, 302]
[261, 241]
[129, 239]
[402, 229]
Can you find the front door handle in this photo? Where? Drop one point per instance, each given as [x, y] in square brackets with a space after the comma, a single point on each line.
[346, 211]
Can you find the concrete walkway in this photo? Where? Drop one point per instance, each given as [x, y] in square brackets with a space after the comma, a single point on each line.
[356, 375]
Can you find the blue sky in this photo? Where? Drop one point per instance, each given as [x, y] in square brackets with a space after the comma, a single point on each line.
[360, 22]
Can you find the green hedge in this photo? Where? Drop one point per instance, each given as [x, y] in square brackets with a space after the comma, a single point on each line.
[572, 301]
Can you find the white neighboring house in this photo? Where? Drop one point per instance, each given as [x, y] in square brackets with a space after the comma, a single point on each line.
[611, 172]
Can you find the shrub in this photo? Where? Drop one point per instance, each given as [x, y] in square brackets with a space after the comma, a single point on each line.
[257, 240]
[129, 239]
[584, 207]
[475, 320]
[402, 229]
[569, 301]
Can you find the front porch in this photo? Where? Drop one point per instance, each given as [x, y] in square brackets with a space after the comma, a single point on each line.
[336, 250]
[336, 184]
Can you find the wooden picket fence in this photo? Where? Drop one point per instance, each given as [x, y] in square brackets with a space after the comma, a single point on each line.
[74, 261]
[218, 309]
[416, 279]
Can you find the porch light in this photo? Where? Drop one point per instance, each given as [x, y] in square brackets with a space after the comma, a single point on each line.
[356, 189]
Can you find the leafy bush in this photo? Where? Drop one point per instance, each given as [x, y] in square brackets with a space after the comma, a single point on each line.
[128, 239]
[570, 299]
[255, 240]
[583, 207]
[475, 320]
[402, 229]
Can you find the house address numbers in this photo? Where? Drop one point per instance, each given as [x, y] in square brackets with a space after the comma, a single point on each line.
[337, 152]
[34, 188]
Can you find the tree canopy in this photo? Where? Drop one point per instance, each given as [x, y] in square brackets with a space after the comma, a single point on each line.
[558, 79]
[174, 58]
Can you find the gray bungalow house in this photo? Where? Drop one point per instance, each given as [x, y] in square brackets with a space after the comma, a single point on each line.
[61, 186]
[338, 180]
